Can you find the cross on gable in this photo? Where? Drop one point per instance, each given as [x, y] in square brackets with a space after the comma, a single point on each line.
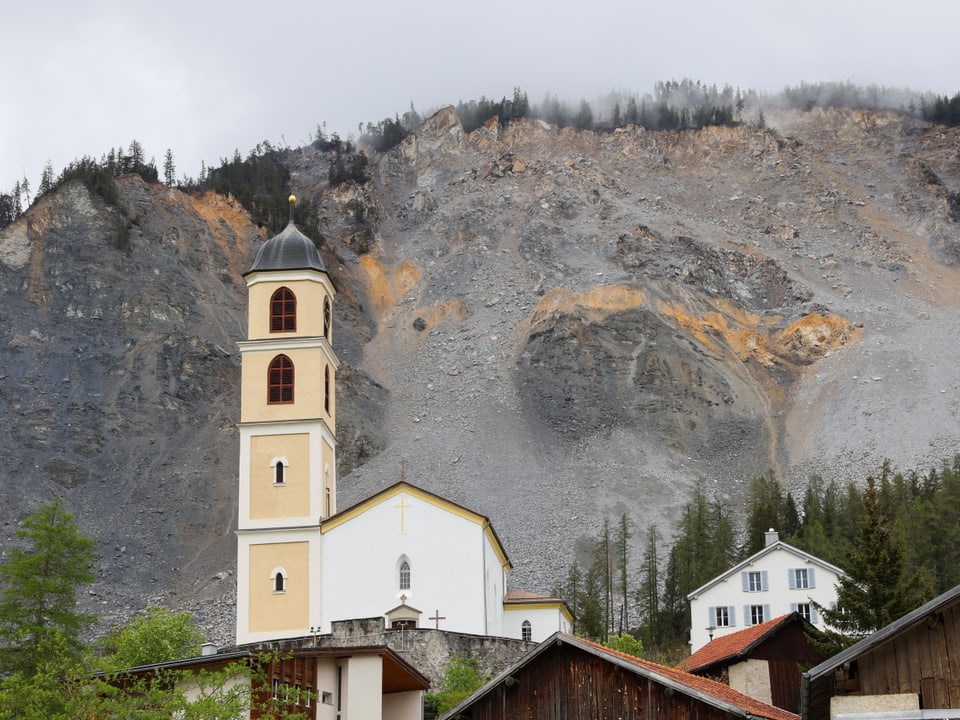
[437, 617]
[402, 506]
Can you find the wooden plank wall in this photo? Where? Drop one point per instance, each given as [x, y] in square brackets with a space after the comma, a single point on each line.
[924, 659]
[568, 684]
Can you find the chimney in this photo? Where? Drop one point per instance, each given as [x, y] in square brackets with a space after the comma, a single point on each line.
[208, 649]
[770, 537]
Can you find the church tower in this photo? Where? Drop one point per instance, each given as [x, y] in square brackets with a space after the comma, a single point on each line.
[287, 480]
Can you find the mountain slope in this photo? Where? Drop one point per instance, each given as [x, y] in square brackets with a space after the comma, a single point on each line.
[551, 327]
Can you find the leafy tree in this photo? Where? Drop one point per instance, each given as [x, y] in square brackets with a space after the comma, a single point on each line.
[39, 618]
[461, 677]
[625, 643]
[155, 636]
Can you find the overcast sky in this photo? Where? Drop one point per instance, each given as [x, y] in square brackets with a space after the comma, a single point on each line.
[207, 76]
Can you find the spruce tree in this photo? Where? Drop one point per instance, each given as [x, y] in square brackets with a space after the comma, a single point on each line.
[877, 588]
[39, 619]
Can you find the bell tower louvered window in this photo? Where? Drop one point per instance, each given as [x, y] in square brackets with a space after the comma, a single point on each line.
[280, 380]
[283, 311]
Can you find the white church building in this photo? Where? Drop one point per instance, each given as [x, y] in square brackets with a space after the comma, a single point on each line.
[412, 557]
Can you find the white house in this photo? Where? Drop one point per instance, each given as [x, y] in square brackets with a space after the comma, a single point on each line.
[775, 581]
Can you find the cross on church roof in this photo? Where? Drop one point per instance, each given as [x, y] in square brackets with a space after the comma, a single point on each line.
[437, 617]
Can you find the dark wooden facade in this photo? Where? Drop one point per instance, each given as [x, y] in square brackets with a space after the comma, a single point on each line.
[918, 654]
[570, 681]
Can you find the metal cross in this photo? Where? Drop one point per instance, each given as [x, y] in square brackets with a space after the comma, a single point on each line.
[437, 617]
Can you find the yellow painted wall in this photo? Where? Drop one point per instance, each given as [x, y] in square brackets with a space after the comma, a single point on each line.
[308, 387]
[309, 296]
[275, 612]
[292, 499]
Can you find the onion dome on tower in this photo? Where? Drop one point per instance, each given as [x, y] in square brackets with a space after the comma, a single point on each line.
[290, 250]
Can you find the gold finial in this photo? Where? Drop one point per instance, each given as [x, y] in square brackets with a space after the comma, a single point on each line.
[292, 199]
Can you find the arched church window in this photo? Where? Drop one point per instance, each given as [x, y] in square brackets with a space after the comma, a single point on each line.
[283, 311]
[327, 318]
[279, 579]
[280, 380]
[405, 575]
[526, 631]
[326, 389]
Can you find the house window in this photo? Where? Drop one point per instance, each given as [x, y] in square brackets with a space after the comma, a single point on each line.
[276, 689]
[755, 581]
[327, 318]
[526, 631]
[756, 614]
[801, 578]
[283, 311]
[279, 472]
[808, 611]
[280, 380]
[721, 617]
[279, 579]
[405, 575]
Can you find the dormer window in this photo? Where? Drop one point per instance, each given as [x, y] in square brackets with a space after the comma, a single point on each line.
[283, 311]
[280, 380]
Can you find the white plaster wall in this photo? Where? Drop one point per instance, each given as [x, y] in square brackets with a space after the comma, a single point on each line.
[362, 688]
[403, 706]
[845, 704]
[326, 681]
[446, 554]
[779, 596]
[544, 622]
[495, 581]
[752, 677]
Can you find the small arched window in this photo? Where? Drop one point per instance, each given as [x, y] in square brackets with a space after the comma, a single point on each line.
[283, 311]
[279, 579]
[280, 380]
[279, 471]
[327, 318]
[405, 575]
[326, 389]
[526, 631]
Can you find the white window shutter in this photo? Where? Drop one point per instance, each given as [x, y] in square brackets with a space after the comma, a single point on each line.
[732, 615]
[764, 584]
[810, 582]
[746, 615]
[745, 577]
[793, 607]
[792, 578]
[711, 616]
[814, 617]
[766, 613]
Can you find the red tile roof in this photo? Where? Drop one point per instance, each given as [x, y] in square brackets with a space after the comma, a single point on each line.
[733, 645]
[718, 690]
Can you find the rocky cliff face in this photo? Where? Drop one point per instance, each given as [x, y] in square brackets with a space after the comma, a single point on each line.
[550, 327]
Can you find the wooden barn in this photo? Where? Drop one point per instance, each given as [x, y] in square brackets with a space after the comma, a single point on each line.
[567, 677]
[911, 665]
[763, 661]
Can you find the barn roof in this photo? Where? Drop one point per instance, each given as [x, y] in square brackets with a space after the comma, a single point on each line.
[708, 691]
